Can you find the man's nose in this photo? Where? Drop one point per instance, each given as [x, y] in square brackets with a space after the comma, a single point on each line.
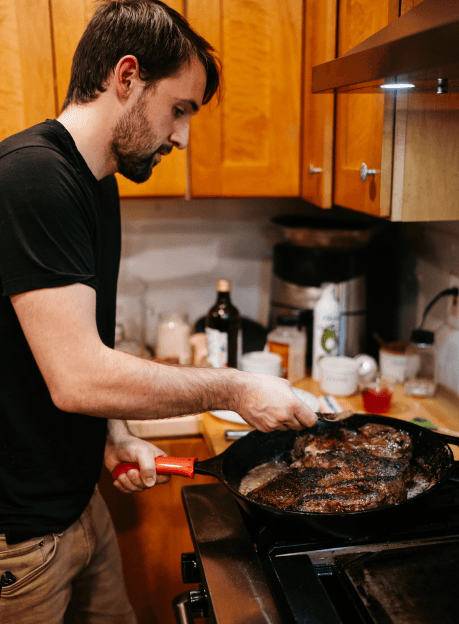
[180, 135]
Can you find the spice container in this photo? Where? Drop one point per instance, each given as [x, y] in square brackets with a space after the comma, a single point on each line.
[420, 376]
[288, 341]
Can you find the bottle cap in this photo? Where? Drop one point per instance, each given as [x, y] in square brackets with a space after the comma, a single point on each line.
[288, 320]
[422, 336]
[223, 285]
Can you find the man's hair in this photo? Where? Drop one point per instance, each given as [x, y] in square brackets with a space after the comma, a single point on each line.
[159, 37]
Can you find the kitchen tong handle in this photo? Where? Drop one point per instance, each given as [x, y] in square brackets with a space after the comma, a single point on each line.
[181, 466]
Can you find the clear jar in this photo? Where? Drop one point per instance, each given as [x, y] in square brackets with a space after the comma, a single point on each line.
[174, 337]
[134, 347]
[290, 343]
[420, 377]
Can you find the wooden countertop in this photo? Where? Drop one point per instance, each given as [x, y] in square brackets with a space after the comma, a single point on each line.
[441, 410]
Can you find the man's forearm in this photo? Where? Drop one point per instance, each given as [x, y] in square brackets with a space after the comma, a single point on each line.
[121, 386]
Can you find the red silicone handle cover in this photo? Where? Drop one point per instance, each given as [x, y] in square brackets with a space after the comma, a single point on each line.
[182, 466]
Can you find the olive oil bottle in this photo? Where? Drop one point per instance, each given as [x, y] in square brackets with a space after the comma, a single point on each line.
[223, 330]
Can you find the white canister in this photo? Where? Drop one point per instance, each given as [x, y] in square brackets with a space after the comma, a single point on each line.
[339, 375]
[262, 362]
[393, 362]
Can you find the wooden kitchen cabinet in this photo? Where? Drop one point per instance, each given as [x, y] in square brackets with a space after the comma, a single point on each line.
[249, 145]
[27, 92]
[410, 141]
[360, 117]
[152, 533]
[422, 183]
[425, 180]
[69, 18]
[318, 109]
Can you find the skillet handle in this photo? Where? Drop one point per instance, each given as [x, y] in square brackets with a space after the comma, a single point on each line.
[181, 466]
[449, 439]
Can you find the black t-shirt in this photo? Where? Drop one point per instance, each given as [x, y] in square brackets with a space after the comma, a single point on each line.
[58, 226]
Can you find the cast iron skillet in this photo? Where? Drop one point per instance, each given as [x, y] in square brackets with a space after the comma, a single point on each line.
[257, 448]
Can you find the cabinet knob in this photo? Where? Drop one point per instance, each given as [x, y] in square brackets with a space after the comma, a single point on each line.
[190, 570]
[313, 170]
[365, 172]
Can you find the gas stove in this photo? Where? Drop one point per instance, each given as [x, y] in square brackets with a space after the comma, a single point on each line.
[249, 573]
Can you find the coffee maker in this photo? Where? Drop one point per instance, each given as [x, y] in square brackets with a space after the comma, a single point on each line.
[316, 252]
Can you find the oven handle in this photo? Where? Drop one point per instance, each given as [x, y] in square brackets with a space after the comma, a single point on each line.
[181, 609]
[190, 605]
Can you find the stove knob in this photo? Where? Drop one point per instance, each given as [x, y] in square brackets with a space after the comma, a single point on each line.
[190, 570]
[197, 601]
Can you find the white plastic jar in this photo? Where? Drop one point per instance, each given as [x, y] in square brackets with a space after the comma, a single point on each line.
[339, 375]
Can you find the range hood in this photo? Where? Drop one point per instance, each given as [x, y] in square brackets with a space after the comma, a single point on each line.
[420, 48]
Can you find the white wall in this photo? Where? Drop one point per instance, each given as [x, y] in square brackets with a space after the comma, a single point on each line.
[431, 264]
[173, 252]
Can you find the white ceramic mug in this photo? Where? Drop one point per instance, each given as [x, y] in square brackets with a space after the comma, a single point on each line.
[262, 362]
[339, 375]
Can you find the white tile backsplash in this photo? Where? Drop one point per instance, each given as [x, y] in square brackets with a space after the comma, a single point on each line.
[177, 261]
[173, 265]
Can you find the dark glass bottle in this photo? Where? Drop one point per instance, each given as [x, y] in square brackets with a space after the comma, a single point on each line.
[223, 330]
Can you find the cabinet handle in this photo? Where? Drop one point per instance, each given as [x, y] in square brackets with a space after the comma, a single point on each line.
[313, 170]
[365, 172]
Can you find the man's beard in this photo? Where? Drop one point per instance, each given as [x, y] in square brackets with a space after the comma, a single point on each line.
[131, 144]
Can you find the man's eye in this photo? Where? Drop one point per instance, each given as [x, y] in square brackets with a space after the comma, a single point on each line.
[179, 112]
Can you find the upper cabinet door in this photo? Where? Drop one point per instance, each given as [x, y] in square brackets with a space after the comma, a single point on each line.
[27, 91]
[318, 109]
[69, 21]
[249, 145]
[359, 117]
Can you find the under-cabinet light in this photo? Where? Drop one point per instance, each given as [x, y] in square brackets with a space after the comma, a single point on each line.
[398, 85]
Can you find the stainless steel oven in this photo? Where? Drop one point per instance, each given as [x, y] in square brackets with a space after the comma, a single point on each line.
[246, 574]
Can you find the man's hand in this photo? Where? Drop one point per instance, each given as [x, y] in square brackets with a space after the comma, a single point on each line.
[269, 403]
[121, 446]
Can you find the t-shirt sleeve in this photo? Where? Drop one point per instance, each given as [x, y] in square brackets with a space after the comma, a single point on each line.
[47, 223]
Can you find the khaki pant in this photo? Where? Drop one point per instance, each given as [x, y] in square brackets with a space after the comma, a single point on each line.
[74, 577]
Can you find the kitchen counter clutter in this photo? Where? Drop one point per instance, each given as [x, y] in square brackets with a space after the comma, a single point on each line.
[441, 411]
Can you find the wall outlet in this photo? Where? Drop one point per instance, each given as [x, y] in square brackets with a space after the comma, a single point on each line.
[453, 305]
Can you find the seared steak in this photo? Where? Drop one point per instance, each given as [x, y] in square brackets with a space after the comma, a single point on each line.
[342, 470]
[378, 440]
[355, 495]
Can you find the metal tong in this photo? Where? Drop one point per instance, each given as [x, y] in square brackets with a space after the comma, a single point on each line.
[234, 434]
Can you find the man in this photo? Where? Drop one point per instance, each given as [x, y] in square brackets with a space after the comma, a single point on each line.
[139, 75]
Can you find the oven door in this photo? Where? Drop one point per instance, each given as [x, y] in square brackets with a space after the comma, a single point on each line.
[233, 587]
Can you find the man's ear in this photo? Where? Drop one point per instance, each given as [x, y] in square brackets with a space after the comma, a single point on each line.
[126, 76]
